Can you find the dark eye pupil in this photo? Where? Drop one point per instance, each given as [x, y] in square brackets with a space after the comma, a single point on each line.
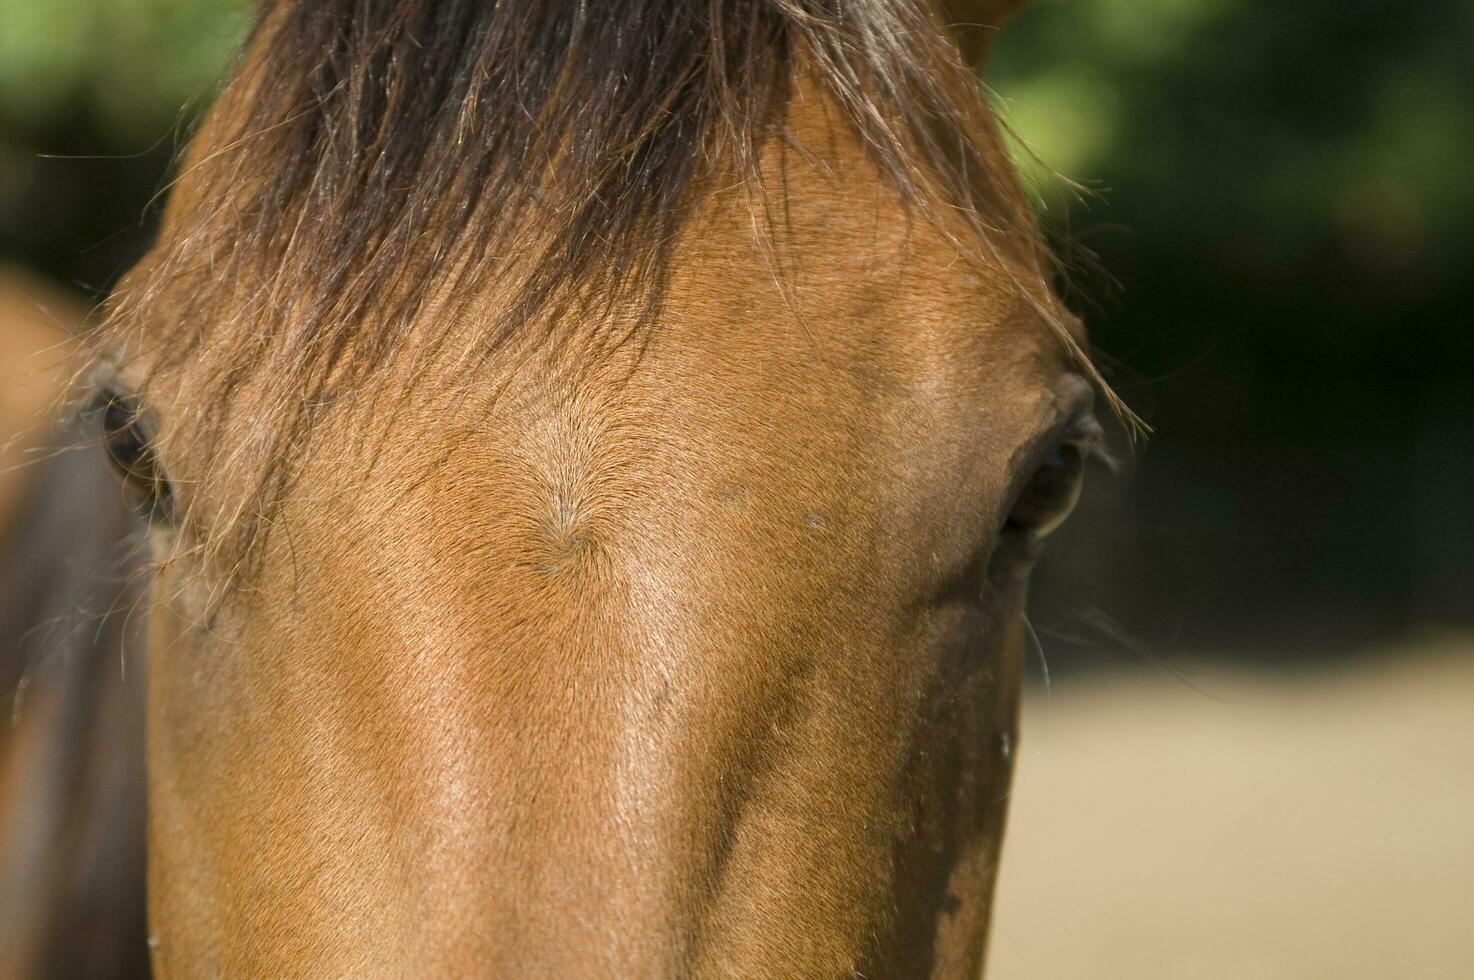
[128, 447]
[1050, 494]
[125, 444]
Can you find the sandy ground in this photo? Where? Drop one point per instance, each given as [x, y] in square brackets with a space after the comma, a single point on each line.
[1298, 826]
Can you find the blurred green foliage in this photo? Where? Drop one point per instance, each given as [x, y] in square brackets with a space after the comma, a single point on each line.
[93, 97]
[1275, 253]
[137, 63]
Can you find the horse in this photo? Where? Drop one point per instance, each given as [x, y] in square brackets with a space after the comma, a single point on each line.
[591, 458]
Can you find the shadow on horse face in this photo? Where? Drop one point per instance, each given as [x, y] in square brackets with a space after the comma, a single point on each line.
[694, 653]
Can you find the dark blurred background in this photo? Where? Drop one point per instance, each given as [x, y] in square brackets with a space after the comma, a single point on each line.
[1284, 218]
[1274, 250]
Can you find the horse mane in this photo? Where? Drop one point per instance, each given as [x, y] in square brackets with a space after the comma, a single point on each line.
[373, 153]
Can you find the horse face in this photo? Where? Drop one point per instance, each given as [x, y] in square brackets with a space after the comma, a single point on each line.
[697, 654]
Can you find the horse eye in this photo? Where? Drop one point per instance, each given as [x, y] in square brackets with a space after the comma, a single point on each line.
[129, 447]
[1050, 494]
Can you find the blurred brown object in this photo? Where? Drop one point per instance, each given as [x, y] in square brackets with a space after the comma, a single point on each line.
[37, 323]
[71, 734]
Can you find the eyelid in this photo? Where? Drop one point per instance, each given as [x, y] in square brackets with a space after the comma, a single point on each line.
[1076, 422]
[1085, 432]
[103, 386]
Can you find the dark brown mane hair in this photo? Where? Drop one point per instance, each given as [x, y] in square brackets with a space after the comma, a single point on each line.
[373, 148]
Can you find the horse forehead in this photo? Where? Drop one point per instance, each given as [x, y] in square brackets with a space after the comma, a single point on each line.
[825, 374]
[816, 365]
[751, 463]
